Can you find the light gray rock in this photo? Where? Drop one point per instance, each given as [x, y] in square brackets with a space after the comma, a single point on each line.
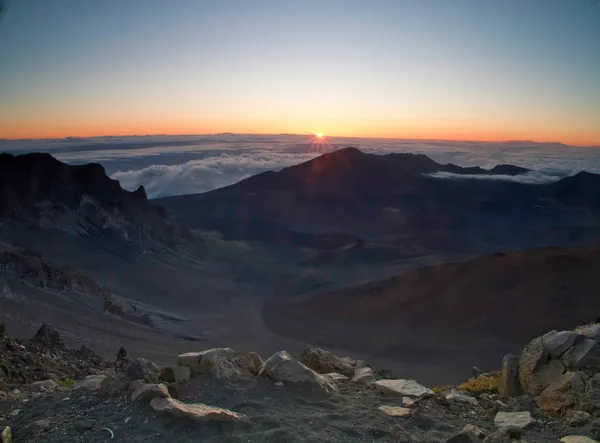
[6, 435]
[532, 358]
[408, 402]
[508, 383]
[402, 388]
[334, 376]
[364, 376]
[224, 363]
[91, 382]
[513, 421]
[557, 343]
[147, 392]
[43, 386]
[590, 331]
[195, 412]
[470, 434]
[586, 353]
[281, 367]
[474, 431]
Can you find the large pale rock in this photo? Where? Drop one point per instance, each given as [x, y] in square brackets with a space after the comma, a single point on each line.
[557, 343]
[91, 382]
[513, 421]
[508, 383]
[395, 411]
[402, 388]
[142, 369]
[563, 394]
[172, 374]
[586, 353]
[113, 386]
[281, 367]
[590, 331]
[532, 358]
[222, 363]
[325, 362]
[196, 412]
[334, 376]
[364, 376]
[577, 439]
[147, 392]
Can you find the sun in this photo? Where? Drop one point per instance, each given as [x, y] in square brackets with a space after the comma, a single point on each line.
[319, 135]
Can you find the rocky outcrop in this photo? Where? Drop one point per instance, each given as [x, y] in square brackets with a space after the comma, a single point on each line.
[145, 393]
[508, 382]
[325, 362]
[364, 376]
[221, 363]
[282, 367]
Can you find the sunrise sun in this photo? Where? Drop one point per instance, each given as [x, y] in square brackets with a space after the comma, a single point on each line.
[319, 134]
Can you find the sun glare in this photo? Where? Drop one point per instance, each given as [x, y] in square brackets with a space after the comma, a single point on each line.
[319, 135]
[320, 143]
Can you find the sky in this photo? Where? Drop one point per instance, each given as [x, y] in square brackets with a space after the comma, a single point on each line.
[434, 69]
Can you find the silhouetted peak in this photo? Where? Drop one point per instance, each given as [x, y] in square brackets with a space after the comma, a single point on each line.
[508, 170]
[140, 193]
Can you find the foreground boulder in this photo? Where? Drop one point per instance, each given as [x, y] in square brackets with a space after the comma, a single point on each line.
[172, 374]
[563, 394]
[402, 388]
[513, 421]
[281, 367]
[222, 363]
[508, 382]
[148, 392]
[91, 382]
[142, 369]
[195, 412]
[325, 362]
[364, 376]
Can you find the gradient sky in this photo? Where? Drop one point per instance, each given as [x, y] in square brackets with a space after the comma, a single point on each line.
[454, 69]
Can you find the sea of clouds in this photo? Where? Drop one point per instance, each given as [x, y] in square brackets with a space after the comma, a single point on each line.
[175, 165]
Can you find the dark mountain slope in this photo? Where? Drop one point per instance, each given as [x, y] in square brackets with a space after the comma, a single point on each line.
[391, 199]
[484, 307]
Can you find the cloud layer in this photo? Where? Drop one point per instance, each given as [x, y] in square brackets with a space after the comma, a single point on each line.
[174, 165]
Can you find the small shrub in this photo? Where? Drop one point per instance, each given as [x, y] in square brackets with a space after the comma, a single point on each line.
[66, 383]
[484, 383]
[438, 389]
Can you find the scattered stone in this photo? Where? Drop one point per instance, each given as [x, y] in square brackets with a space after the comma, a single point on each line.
[122, 354]
[577, 439]
[324, 362]
[508, 383]
[91, 382]
[35, 427]
[279, 384]
[395, 411]
[513, 421]
[586, 353]
[15, 413]
[557, 343]
[173, 374]
[142, 369]
[48, 335]
[195, 412]
[563, 394]
[43, 386]
[578, 418]
[281, 367]
[148, 392]
[474, 431]
[402, 388]
[364, 376]
[222, 363]
[459, 397]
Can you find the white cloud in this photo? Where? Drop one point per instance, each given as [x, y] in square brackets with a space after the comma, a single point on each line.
[531, 178]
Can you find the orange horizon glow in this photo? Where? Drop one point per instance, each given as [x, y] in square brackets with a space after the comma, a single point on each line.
[450, 134]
